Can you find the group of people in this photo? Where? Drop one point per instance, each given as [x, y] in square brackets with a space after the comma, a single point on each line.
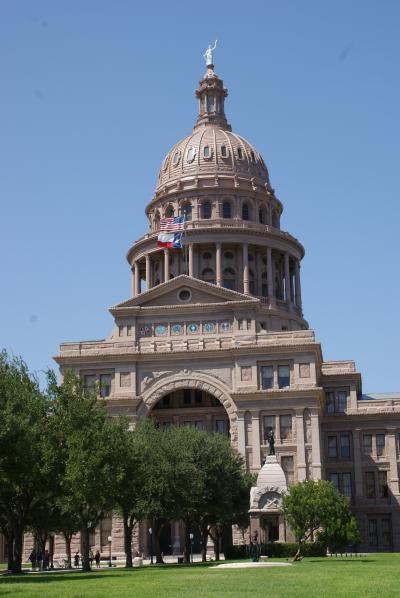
[92, 557]
[40, 560]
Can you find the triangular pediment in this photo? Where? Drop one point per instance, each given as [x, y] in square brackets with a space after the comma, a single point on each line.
[183, 291]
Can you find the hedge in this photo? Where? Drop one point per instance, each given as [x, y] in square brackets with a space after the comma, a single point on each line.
[276, 549]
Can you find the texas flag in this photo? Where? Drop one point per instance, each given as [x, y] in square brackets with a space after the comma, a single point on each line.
[172, 240]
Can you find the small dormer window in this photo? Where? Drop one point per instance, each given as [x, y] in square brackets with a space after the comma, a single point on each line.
[191, 154]
[210, 103]
[175, 159]
[224, 152]
[240, 153]
[207, 151]
[165, 163]
[253, 159]
[218, 102]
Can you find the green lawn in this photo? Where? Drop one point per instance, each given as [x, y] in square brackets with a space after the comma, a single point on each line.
[374, 575]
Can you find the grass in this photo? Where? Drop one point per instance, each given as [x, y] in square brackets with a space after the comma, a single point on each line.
[373, 575]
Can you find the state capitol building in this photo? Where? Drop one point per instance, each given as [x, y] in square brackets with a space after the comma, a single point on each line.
[214, 336]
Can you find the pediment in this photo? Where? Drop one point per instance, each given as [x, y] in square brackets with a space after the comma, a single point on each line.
[175, 291]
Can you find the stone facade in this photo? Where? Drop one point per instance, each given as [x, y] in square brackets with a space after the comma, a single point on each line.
[214, 337]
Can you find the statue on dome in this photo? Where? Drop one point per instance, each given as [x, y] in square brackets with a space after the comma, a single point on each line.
[271, 442]
[208, 55]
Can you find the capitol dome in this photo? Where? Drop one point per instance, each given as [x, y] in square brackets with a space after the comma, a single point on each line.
[212, 148]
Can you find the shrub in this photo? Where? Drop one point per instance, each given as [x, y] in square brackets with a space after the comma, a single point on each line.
[276, 550]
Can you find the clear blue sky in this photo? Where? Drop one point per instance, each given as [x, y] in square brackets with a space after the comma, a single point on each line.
[93, 93]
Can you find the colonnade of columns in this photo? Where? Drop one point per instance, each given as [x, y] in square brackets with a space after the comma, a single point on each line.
[291, 291]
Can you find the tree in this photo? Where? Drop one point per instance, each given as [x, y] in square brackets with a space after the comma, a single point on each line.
[82, 441]
[24, 480]
[314, 508]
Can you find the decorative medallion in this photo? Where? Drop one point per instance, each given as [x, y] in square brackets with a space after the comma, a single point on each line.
[193, 328]
[209, 327]
[176, 329]
[225, 327]
[145, 330]
[160, 330]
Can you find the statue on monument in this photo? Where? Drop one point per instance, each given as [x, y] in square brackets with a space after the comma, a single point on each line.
[208, 55]
[271, 442]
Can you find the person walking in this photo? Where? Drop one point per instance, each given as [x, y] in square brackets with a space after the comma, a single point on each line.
[32, 558]
[91, 558]
[97, 559]
[76, 559]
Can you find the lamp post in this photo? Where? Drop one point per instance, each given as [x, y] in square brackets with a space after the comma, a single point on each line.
[151, 545]
[191, 536]
[109, 540]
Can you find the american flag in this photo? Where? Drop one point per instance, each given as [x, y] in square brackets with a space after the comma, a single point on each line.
[173, 224]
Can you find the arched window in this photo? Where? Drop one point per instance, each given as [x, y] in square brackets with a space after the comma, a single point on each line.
[245, 211]
[262, 215]
[252, 156]
[157, 220]
[207, 255]
[206, 210]
[169, 212]
[240, 153]
[224, 152]
[206, 151]
[186, 210]
[208, 275]
[229, 278]
[275, 219]
[226, 209]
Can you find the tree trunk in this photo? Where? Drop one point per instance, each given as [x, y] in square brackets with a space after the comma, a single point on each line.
[156, 537]
[85, 547]
[128, 529]
[186, 548]
[10, 548]
[204, 539]
[18, 533]
[68, 538]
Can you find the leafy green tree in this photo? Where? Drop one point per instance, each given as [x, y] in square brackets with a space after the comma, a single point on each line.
[314, 508]
[82, 447]
[24, 480]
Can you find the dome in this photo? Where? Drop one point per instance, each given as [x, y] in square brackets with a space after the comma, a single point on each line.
[271, 474]
[212, 148]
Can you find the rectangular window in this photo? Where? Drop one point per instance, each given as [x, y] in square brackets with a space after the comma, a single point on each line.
[269, 426]
[198, 397]
[382, 484]
[89, 381]
[345, 446]
[367, 444]
[386, 526]
[373, 532]
[346, 484]
[334, 478]
[121, 330]
[166, 425]
[267, 377]
[370, 484]
[105, 385]
[332, 447]
[330, 403]
[187, 396]
[220, 426]
[129, 331]
[287, 464]
[341, 401]
[283, 376]
[199, 425]
[286, 427]
[380, 444]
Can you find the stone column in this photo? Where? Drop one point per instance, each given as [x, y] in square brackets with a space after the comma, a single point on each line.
[287, 278]
[358, 481]
[301, 453]
[245, 268]
[316, 445]
[258, 273]
[393, 481]
[148, 272]
[166, 264]
[255, 425]
[218, 264]
[241, 434]
[132, 285]
[190, 259]
[136, 274]
[270, 279]
[297, 283]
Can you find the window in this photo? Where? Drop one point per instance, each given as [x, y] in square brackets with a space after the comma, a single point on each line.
[198, 397]
[206, 151]
[334, 478]
[191, 154]
[89, 381]
[262, 216]
[346, 484]
[288, 468]
[386, 526]
[218, 103]
[245, 211]
[228, 278]
[187, 396]
[105, 385]
[175, 159]
[208, 275]
[240, 153]
[286, 427]
[367, 444]
[221, 426]
[330, 402]
[341, 401]
[345, 446]
[207, 255]
[382, 484]
[206, 210]
[187, 211]
[121, 330]
[332, 447]
[166, 425]
[228, 255]
[129, 331]
[169, 212]
[269, 426]
[226, 209]
[373, 532]
[210, 103]
[267, 377]
[380, 444]
[370, 484]
[166, 402]
[283, 376]
[224, 152]
[199, 425]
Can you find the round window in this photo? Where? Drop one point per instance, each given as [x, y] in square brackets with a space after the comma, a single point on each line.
[184, 295]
